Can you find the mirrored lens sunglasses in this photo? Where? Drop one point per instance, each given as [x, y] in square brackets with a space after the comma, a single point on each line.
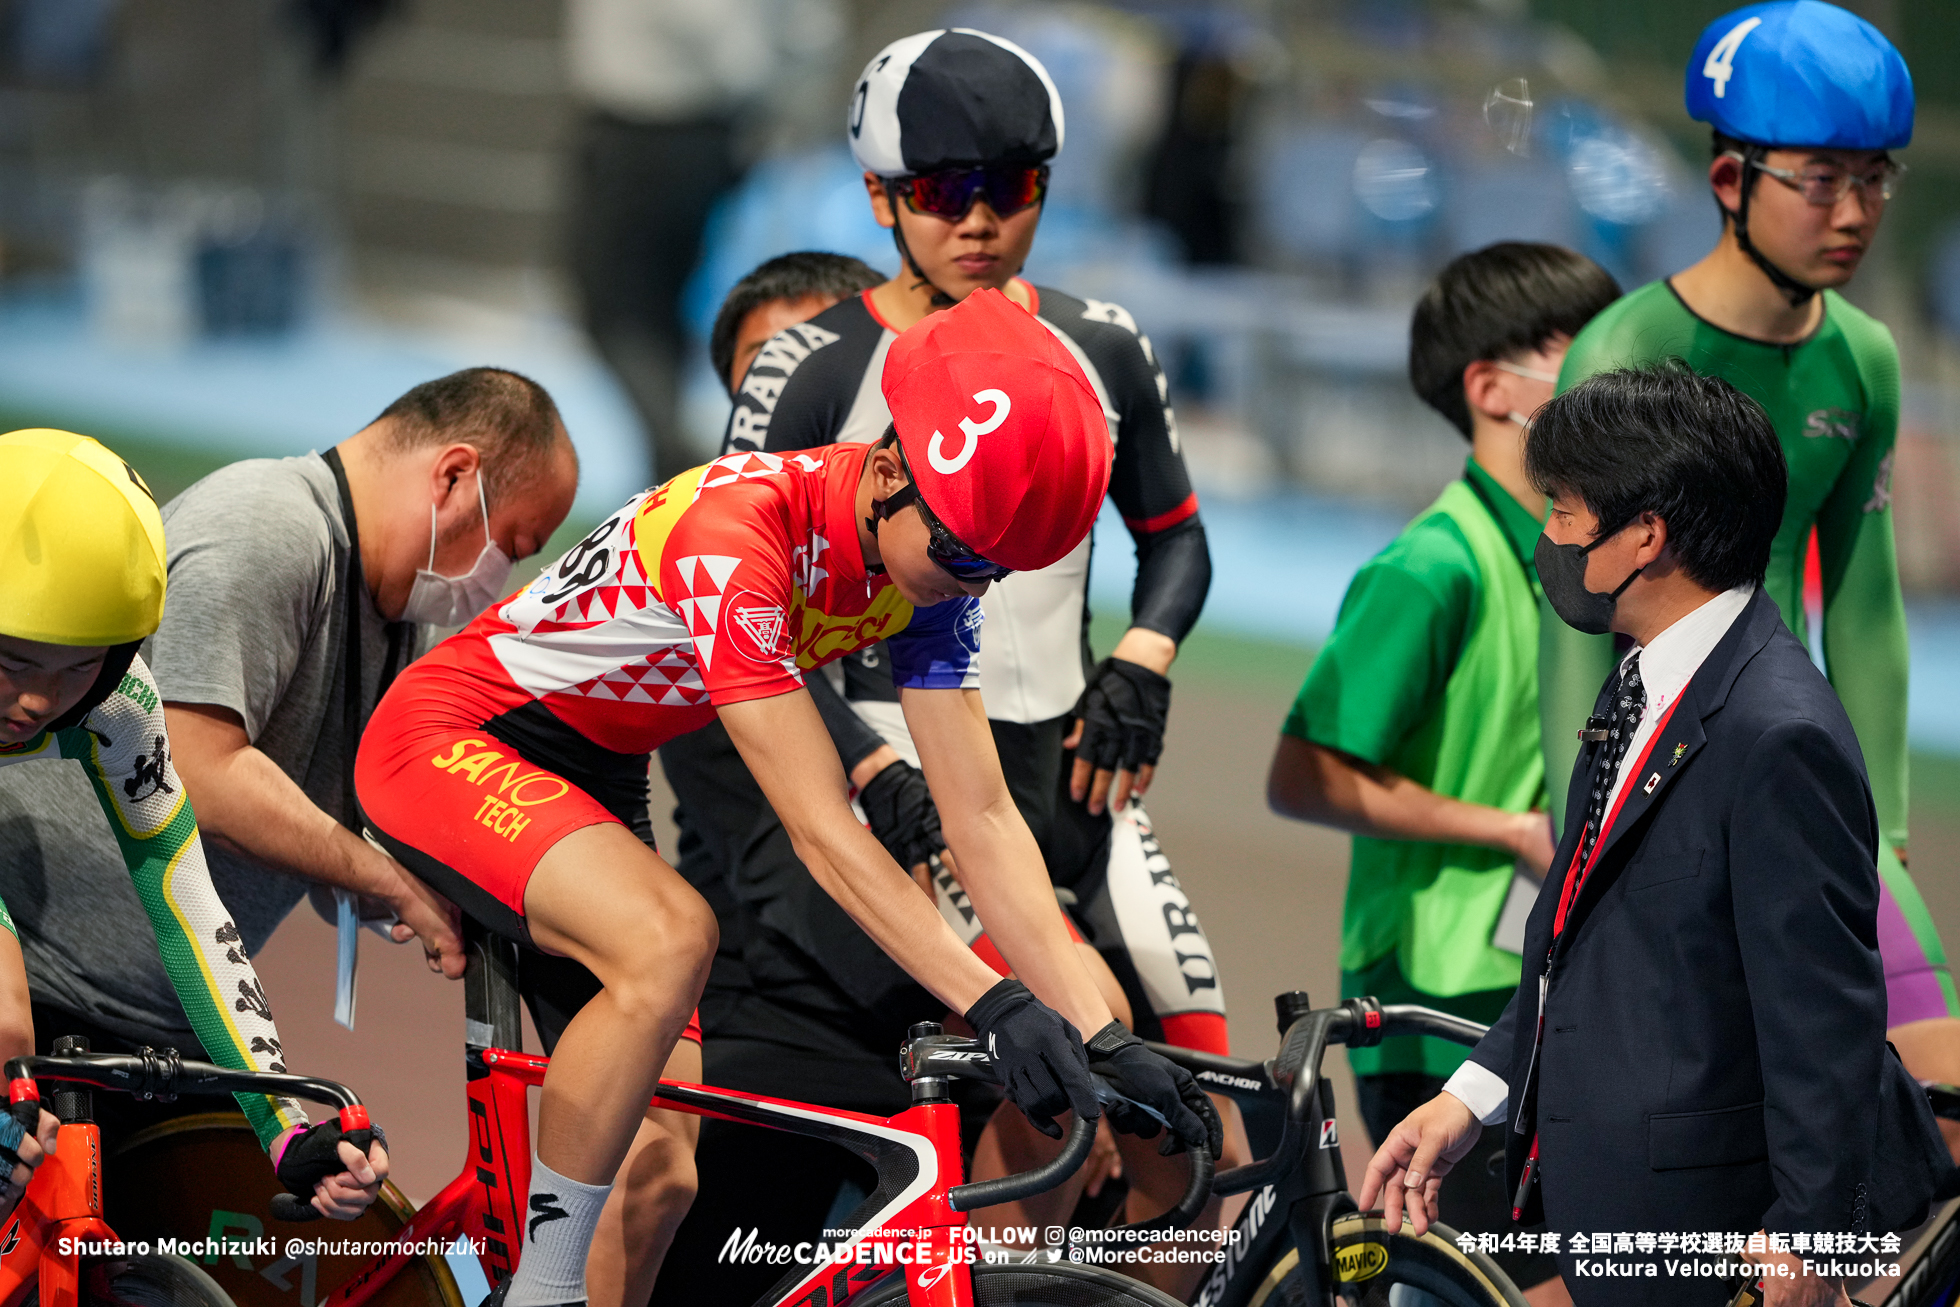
[950, 194]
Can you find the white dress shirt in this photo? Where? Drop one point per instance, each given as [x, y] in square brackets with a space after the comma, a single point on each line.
[1667, 663]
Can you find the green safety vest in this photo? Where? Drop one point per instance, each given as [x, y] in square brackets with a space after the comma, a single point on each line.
[1435, 905]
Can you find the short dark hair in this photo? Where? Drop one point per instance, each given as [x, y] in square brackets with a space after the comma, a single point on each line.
[1507, 298]
[1693, 450]
[797, 276]
[510, 418]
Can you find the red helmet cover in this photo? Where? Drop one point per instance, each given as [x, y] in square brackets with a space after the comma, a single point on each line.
[1002, 432]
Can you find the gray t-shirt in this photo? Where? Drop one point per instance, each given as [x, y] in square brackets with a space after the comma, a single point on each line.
[254, 621]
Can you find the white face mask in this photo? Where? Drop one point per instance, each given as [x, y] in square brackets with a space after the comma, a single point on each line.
[1529, 374]
[452, 600]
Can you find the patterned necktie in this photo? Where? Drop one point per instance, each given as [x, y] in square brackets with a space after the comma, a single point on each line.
[1629, 702]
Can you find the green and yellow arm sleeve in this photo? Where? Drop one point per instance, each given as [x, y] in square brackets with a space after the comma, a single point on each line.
[125, 750]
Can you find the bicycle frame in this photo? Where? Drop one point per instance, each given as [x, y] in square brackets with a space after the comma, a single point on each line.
[916, 1153]
[911, 1222]
[1302, 1182]
[63, 1204]
[1292, 1203]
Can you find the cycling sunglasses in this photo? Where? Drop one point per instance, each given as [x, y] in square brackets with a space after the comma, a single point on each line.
[944, 548]
[950, 194]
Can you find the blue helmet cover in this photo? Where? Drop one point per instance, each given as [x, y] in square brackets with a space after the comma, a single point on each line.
[1801, 73]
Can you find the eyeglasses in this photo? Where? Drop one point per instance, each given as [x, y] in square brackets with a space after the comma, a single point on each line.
[950, 194]
[1824, 185]
[945, 549]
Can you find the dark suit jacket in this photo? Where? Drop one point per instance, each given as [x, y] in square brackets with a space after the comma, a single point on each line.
[1714, 1053]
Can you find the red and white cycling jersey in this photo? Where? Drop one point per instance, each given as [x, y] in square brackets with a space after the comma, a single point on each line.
[725, 584]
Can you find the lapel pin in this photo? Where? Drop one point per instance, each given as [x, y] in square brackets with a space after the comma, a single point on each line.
[1679, 749]
[1652, 781]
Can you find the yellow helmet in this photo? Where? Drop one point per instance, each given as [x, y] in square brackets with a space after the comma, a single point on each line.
[81, 543]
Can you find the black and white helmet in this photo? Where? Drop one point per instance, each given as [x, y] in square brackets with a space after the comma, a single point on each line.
[953, 98]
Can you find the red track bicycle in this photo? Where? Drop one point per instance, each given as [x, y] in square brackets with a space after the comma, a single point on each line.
[911, 1244]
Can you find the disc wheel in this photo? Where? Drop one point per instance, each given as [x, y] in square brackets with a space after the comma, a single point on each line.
[1056, 1284]
[149, 1281]
[1377, 1269]
[206, 1175]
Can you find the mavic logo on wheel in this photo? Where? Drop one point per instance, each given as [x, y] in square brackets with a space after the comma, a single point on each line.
[1002, 406]
[544, 1207]
[1360, 1261]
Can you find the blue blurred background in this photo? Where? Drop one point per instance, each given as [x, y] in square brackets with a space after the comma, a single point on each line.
[239, 226]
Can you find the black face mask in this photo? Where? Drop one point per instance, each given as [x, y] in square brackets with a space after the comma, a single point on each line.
[1562, 571]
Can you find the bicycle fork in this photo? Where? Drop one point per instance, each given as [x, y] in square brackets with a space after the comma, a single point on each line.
[1323, 1198]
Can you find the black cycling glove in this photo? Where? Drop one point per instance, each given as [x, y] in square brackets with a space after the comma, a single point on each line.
[1123, 711]
[1037, 1055]
[313, 1154]
[902, 815]
[1135, 1072]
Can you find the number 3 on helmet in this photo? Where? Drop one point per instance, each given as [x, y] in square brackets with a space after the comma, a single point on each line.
[81, 543]
[1003, 405]
[1025, 484]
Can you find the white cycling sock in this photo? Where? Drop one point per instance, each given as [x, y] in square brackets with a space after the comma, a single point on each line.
[558, 1225]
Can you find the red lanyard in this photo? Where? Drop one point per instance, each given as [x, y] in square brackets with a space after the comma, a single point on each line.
[1573, 884]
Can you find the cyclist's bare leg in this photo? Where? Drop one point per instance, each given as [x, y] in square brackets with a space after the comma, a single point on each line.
[604, 899]
[1157, 1182]
[652, 1193]
[1930, 1050]
[1009, 1144]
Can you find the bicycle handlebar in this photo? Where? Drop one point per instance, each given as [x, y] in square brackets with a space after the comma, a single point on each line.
[1026, 1184]
[160, 1074]
[1358, 1023]
[942, 1056]
[1197, 1192]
